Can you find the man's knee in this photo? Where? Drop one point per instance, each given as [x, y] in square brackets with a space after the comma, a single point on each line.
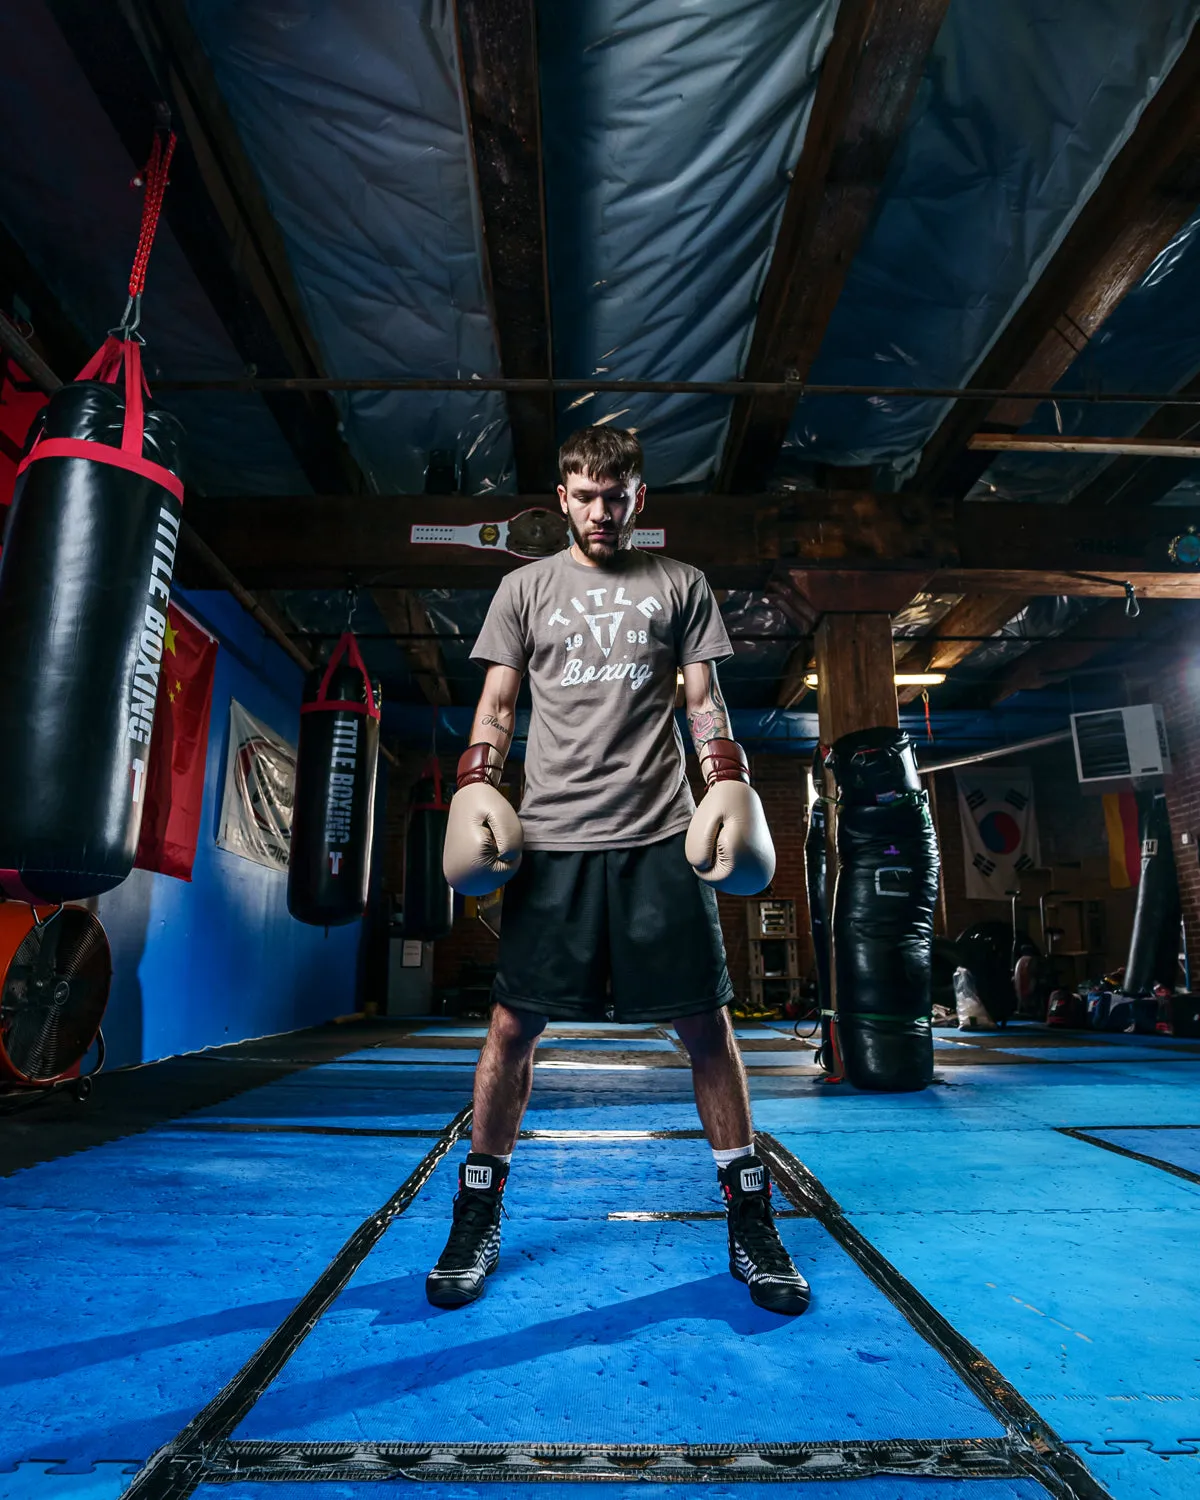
[705, 1034]
[515, 1030]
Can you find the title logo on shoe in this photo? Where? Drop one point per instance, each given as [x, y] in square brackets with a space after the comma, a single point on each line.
[752, 1179]
[477, 1177]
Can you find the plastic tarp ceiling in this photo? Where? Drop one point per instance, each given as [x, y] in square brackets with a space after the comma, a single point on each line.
[669, 132]
[1021, 109]
[352, 115]
[1150, 343]
[65, 199]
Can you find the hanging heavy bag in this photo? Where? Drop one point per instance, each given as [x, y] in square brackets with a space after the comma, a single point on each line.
[883, 912]
[329, 863]
[428, 899]
[85, 578]
[1154, 946]
[815, 879]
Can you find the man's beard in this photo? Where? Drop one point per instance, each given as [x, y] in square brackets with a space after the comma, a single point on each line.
[604, 552]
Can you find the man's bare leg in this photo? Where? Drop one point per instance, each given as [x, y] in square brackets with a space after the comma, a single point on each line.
[504, 1079]
[719, 1079]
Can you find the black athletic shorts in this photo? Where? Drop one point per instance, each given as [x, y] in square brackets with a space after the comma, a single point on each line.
[631, 928]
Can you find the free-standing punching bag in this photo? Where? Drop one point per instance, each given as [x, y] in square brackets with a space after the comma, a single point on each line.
[428, 899]
[816, 883]
[1154, 946]
[883, 912]
[329, 864]
[85, 577]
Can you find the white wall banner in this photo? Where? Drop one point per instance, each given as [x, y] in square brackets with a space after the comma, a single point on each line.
[999, 826]
[260, 781]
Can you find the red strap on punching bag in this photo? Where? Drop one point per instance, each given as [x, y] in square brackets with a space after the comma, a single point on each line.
[348, 647]
[117, 354]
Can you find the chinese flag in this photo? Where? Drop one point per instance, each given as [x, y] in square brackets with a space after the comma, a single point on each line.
[175, 775]
[1124, 845]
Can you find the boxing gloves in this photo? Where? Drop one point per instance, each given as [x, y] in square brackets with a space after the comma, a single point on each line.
[728, 842]
[483, 833]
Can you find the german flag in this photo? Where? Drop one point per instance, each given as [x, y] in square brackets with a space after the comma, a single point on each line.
[1124, 845]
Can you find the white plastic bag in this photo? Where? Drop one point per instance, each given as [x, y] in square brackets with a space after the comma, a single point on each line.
[972, 1013]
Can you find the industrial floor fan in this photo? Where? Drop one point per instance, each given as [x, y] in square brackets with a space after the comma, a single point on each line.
[55, 974]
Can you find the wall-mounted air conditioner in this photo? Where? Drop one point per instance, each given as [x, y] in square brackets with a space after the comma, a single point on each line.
[1120, 744]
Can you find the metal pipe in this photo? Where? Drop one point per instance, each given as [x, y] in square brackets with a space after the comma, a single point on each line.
[795, 388]
[971, 760]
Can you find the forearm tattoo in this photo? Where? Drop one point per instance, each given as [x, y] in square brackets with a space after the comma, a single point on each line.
[711, 720]
[494, 723]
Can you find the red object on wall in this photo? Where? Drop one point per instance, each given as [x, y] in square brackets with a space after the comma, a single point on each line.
[20, 402]
[178, 750]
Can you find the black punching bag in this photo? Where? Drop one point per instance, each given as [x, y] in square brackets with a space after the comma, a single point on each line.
[85, 578]
[428, 899]
[815, 880]
[329, 866]
[883, 912]
[1154, 947]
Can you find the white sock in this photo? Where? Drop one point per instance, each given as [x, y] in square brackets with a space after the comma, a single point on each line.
[723, 1158]
[505, 1159]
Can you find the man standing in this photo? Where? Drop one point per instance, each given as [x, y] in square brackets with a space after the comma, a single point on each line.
[604, 858]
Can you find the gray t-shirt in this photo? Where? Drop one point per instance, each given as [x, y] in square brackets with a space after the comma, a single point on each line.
[604, 764]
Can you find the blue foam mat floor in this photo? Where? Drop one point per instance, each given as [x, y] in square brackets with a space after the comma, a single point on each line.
[141, 1274]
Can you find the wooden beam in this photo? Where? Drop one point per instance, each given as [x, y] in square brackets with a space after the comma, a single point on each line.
[856, 550]
[1137, 447]
[1139, 480]
[1096, 632]
[1149, 192]
[793, 686]
[144, 51]
[499, 64]
[855, 688]
[977, 615]
[868, 78]
[404, 613]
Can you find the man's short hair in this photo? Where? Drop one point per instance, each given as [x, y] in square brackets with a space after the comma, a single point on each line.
[601, 453]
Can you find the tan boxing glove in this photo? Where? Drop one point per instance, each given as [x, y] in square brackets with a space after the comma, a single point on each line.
[728, 842]
[483, 833]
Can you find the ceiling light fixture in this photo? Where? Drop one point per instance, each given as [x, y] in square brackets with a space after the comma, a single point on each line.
[901, 679]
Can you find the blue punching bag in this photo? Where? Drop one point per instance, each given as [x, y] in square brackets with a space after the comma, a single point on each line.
[333, 814]
[85, 578]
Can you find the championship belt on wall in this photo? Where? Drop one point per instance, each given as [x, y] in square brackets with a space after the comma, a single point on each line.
[536, 532]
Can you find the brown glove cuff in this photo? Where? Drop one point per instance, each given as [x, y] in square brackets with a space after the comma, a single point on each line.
[480, 762]
[724, 760]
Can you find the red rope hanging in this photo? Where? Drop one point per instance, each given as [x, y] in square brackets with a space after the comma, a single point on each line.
[154, 179]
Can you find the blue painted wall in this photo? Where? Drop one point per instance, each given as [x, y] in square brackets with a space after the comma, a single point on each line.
[219, 960]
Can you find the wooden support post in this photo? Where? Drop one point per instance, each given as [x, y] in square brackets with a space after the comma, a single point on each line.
[855, 674]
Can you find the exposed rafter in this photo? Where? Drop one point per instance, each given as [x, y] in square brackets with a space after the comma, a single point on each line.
[135, 54]
[868, 78]
[977, 615]
[1150, 190]
[498, 51]
[1141, 481]
[1098, 631]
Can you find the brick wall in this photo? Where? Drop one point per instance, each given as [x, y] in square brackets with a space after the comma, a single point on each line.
[780, 781]
[1178, 690]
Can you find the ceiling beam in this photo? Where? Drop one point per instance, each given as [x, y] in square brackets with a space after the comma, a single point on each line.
[1149, 192]
[1140, 481]
[868, 78]
[879, 545]
[136, 54]
[499, 65]
[1098, 631]
[405, 615]
[978, 615]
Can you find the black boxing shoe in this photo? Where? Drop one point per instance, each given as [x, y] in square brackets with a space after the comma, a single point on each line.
[473, 1250]
[756, 1253]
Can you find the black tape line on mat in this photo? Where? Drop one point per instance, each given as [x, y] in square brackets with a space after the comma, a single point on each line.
[176, 1469]
[1032, 1444]
[1150, 1161]
[787, 1463]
